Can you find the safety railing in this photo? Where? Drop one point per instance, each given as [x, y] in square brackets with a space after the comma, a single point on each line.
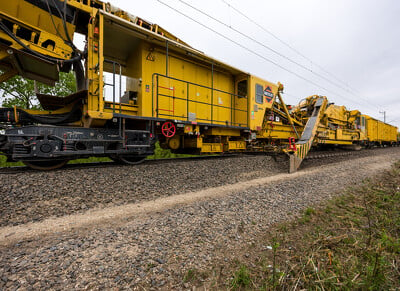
[163, 92]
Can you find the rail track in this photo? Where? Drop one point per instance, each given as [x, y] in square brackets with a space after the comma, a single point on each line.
[314, 155]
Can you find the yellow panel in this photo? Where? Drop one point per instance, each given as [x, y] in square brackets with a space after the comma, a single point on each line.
[223, 131]
[237, 145]
[187, 81]
[257, 110]
[277, 130]
[335, 142]
[212, 148]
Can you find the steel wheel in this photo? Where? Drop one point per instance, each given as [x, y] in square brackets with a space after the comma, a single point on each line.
[131, 160]
[45, 165]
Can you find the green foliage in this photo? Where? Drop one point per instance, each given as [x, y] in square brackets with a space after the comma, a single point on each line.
[307, 215]
[21, 92]
[309, 211]
[4, 163]
[160, 153]
[241, 278]
[90, 160]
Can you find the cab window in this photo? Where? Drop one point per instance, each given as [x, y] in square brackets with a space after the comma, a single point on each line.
[259, 94]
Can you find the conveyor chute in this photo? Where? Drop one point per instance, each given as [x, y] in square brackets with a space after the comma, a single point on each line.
[303, 145]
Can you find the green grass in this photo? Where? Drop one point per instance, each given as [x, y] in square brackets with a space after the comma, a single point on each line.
[241, 278]
[4, 163]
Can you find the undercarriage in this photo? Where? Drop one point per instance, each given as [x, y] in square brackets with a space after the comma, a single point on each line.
[44, 146]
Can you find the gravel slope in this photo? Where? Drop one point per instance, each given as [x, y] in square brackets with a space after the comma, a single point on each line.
[156, 250]
[34, 196]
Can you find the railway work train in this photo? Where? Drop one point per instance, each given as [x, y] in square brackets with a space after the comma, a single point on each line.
[174, 94]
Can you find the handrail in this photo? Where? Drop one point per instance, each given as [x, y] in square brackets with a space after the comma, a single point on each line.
[188, 101]
[206, 87]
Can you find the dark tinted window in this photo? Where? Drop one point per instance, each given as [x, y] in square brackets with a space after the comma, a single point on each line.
[259, 94]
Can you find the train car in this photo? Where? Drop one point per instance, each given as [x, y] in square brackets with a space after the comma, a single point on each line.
[379, 133]
[174, 93]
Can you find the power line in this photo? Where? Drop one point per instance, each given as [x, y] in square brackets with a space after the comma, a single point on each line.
[288, 45]
[265, 46]
[257, 54]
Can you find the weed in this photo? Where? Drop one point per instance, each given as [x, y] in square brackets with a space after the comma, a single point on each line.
[241, 278]
[190, 275]
[309, 211]
[275, 246]
[307, 215]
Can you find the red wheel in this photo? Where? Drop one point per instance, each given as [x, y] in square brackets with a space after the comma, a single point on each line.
[168, 129]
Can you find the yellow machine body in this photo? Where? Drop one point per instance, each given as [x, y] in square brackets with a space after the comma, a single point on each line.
[379, 132]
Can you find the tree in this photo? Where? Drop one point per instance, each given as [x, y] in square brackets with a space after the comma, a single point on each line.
[21, 92]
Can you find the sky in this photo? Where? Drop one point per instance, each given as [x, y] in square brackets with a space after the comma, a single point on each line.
[347, 50]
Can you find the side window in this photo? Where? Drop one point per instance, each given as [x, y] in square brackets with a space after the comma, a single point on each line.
[259, 94]
[242, 89]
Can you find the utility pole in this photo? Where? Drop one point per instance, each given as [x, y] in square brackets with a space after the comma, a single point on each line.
[384, 115]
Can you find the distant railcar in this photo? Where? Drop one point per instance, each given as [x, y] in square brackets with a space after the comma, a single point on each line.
[379, 133]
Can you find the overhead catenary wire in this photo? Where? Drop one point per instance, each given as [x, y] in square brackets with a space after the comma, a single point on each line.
[288, 45]
[261, 44]
[273, 50]
[258, 54]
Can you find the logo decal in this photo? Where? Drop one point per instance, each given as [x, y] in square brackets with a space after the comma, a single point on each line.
[268, 94]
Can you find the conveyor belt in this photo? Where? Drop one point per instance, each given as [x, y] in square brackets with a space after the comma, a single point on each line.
[303, 145]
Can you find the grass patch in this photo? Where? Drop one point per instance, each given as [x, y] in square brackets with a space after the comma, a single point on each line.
[241, 278]
[90, 160]
[352, 242]
[4, 163]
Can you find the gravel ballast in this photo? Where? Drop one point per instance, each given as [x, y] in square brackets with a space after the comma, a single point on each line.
[34, 196]
[157, 249]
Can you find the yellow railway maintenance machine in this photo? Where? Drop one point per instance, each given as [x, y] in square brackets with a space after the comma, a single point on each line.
[136, 82]
[330, 125]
